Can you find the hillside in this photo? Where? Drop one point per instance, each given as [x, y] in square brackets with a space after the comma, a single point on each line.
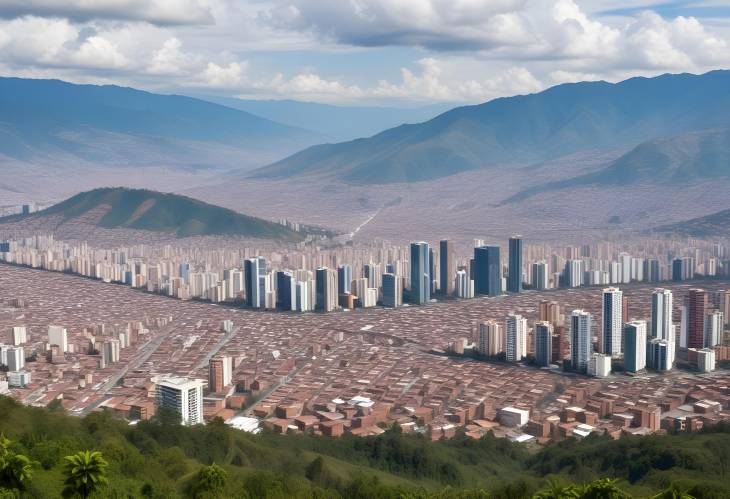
[336, 122]
[160, 459]
[154, 211]
[669, 161]
[713, 225]
[122, 126]
[522, 130]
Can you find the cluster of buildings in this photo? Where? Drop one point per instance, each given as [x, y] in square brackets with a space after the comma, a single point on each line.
[331, 279]
[92, 345]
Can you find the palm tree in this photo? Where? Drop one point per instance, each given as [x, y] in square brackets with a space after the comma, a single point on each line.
[673, 492]
[557, 489]
[605, 488]
[85, 474]
[16, 470]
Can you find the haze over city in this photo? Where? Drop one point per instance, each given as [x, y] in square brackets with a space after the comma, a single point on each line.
[364, 248]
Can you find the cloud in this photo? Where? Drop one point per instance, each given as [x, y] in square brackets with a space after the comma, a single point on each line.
[165, 12]
[434, 24]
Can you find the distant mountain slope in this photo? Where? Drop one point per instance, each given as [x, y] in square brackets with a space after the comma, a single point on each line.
[337, 122]
[713, 225]
[671, 160]
[524, 129]
[155, 211]
[42, 118]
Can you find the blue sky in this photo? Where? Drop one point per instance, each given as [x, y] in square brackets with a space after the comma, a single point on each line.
[366, 52]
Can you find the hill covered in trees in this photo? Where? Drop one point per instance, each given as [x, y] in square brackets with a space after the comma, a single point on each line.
[46, 454]
[161, 212]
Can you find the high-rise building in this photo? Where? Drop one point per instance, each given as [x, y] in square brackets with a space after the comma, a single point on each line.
[57, 335]
[446, 267]
[514, 278]
[612, 320]
[714, 324]
[515, 338]
[543, 343]
[111, 350]
[255, 270]
[660, 354]
[696, 304]
[706, 360]
[18, 335]
[635, 353]
[464, 285]
[550, 311]
[573, 273]
[371, 272]
[326, 284]
[540, 275]
[344, 278]
[392, 291]
[420, 273]
[183, 396]
[220, 371]
[487, 271]
[661, 315]
[286, 290]
[15, 358]
[491, 338]
[599, 365]
[581, 334]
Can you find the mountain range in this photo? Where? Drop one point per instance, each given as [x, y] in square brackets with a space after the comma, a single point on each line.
[142, 209]
[527, 129]
[338, 123]
[108, 124]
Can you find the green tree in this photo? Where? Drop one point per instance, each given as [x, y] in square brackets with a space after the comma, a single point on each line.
[211, 481]
[16, 470]
[85, 474]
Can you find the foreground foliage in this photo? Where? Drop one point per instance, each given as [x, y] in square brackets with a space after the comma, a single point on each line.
[44, 454]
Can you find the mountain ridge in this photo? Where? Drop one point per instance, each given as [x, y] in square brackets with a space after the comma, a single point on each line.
[524, 129]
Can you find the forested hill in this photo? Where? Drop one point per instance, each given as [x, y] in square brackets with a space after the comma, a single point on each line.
[160, 459]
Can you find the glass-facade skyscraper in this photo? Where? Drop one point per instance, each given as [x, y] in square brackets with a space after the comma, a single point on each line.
[420, 273]
[487, 271]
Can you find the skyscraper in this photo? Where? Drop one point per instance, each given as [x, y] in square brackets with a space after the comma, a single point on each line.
[661, 315]
[540, 275]
[254, 268]
[696, 303]
[635, 354]
[514, 277]
[446, 267]
[515, 338]
[580, 339]
[420, 273]
[344, 278]
[326, 286]
[183, 396]
[487, 271]
[57, 336]
[543, 343]
[392, 291]
[714, 324]
[612, 320]
[660, 354]
[286, 291]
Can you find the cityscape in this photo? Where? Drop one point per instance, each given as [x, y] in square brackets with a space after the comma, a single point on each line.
[364, 249]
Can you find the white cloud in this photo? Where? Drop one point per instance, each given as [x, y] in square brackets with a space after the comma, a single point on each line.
[153, 11]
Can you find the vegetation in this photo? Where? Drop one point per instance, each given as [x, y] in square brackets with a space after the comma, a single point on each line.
[156, 211]
[45, 454]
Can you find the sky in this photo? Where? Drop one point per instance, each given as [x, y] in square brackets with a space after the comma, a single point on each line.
[364, 52]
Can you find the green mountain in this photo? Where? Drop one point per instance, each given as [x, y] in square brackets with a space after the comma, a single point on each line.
[523, 130]
[162, 460]
[713, 225]
[156, 211]
[667, 161]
